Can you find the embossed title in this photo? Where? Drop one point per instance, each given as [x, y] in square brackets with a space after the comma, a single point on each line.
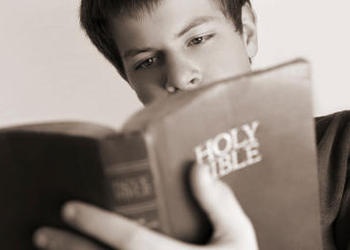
[232, 150]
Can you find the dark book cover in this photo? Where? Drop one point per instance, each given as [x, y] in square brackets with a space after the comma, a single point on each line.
[253, 131]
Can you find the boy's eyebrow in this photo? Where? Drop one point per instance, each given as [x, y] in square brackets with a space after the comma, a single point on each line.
[134, 52]
[196, 22]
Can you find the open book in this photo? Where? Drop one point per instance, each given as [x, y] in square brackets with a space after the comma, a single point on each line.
[255, 131]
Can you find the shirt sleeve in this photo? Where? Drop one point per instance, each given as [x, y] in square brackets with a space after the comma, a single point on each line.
[333, 144]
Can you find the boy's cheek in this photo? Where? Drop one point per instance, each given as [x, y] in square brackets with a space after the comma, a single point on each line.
[150, 93]
[148, 86]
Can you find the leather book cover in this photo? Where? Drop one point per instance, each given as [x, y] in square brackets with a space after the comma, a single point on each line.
[254, 131]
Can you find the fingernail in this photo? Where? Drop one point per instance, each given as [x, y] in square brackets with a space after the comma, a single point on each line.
[69, 211]
[40, 239]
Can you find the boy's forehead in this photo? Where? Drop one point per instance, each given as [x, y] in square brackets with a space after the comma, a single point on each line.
[154, 8]
[163, 25]
[168, 16]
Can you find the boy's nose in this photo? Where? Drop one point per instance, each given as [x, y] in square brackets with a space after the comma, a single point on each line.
[182, 74]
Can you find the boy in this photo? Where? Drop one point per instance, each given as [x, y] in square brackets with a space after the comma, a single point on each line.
[164, 46]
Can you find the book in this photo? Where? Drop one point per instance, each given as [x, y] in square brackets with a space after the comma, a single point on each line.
[254, 131]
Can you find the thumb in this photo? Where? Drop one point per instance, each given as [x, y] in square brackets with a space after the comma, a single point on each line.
[220, 204]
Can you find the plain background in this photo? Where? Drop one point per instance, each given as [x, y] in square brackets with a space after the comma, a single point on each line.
[50, 71]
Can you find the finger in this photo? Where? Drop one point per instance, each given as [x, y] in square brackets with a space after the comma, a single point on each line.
[220, 204]
[115, 230]
[55, 239]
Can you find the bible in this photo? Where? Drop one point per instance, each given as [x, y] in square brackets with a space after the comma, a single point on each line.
[254, 131]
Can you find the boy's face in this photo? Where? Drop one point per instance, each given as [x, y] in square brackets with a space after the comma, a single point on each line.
[179, 45]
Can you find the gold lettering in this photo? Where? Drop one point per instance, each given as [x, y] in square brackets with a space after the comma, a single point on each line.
[133, 188]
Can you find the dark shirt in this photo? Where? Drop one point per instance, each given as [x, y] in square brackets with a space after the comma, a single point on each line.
[333, 141]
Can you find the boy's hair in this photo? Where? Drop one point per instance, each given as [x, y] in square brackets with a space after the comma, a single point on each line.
[95, 18]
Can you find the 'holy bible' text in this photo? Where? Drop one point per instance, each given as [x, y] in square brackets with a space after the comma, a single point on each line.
[232, 150]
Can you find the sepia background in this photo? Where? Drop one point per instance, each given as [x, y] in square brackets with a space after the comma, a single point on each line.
[50, 71]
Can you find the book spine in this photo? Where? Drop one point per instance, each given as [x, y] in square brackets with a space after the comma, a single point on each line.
[129, 178]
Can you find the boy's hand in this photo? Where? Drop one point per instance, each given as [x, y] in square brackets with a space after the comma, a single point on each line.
[232, 230]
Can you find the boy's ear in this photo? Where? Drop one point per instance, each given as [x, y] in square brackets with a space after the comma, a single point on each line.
[250, 36]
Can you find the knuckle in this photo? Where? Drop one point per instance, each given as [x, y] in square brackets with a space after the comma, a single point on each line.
[134, 239]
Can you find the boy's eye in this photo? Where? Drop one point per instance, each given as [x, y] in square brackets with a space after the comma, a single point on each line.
[147, 63]
[199, 40]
